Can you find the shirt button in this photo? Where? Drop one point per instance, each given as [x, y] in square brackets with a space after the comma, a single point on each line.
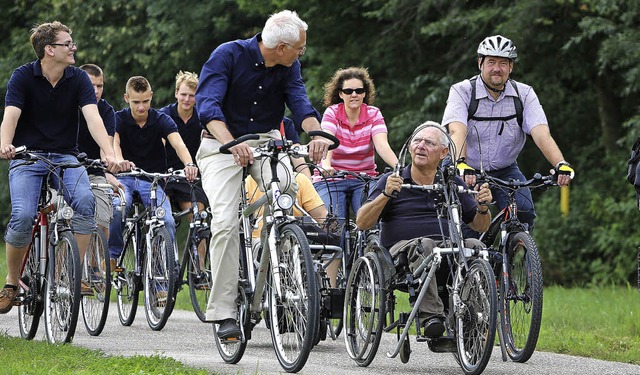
[259, 87]
[255, 103]
[251, 120]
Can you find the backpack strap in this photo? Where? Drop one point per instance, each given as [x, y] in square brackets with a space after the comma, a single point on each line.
[473, 105]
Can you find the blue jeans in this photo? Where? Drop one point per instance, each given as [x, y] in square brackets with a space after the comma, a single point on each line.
[24, 186]
[143, 187]
[334, 194]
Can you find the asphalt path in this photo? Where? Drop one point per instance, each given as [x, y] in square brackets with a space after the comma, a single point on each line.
[191, 342]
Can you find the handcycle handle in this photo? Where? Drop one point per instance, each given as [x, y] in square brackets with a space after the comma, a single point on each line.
[438, 187]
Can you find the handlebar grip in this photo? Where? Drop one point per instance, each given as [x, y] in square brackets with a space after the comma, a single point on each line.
[336, 141]
[224, 149]
[21, 150]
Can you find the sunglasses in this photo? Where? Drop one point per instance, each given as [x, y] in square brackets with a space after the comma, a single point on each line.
[350, 91]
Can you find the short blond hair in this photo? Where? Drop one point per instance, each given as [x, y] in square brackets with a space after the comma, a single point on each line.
[188, 78]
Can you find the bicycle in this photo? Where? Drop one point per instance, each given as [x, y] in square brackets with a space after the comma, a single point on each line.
[353, 243]
[468, 284]
[96, 272]
[147, 261]
[198, 268]
[518, 271]
[284, 277]
[50, 271]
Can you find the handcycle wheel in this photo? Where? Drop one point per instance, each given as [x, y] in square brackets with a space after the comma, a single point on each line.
[30, 309]
[293, 314]
[199, 278]
[364, 309]
[159, 279]
[521, 297]
[62, 290]
[475, 318]
[232, 351]
[126, 279]
[96, 271]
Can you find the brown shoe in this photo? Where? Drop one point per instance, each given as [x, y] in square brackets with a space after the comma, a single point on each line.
[7, 295]
[85, 289]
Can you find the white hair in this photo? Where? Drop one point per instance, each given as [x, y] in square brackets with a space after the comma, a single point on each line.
[284, 26]
[444, 139]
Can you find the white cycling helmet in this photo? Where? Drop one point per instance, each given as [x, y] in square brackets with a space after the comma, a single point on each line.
[499, 46]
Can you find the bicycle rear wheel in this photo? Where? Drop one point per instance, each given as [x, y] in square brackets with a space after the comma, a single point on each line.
[127, 278]
[30, 309]
[521, 297]
[232, 350]
[62, 290]
[159, 279]
[96, 272]
[475, 318]
[199, 278]
[294, 313]
[364, 309]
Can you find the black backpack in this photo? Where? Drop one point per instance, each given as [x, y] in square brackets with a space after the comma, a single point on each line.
[473, 105]
[633, 169]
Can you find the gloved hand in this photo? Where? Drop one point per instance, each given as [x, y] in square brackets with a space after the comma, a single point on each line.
[464, 169]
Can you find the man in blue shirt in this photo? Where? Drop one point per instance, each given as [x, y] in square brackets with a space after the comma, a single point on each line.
[244, 87]
[41, 113]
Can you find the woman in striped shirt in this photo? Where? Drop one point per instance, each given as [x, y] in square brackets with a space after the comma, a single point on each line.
[360, 128]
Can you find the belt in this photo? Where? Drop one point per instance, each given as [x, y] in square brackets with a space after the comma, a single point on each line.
[206, 134]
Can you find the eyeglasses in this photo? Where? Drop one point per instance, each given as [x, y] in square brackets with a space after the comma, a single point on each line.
[69, 45]
[301, 50]
[429, 143]
[358, 91]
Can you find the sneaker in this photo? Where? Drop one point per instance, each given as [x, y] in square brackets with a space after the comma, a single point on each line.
[7, 295]
[228, 329]
[85, 289]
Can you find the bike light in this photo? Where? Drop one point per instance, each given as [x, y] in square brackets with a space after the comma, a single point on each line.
[285, 201]
[66, 213]
[203, 215]
[160, 212]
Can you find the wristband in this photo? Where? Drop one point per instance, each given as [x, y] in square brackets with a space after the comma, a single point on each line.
[190, 165]
[561, 163]
[387, 195]
[482, 212]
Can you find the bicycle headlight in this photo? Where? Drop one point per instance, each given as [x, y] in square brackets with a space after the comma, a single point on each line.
[66, 213]
[203, 215]
[285, 201]
[160, 212]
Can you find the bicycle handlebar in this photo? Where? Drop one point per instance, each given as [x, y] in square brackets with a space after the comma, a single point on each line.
[295, 151]
[536, 181]
[439, 187]
[138, 172]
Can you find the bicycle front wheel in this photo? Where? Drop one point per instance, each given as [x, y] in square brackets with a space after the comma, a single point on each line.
[62, 290]
[294, 313]
[96, 272]
[475, 317]
[30, 309]
[521, 297]
[159, 279]
[127, 278]
[199, 277]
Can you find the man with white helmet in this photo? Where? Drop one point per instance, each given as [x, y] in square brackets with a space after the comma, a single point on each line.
[489, 117]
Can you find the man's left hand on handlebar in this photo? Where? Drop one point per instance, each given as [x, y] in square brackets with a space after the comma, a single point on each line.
[191, 171]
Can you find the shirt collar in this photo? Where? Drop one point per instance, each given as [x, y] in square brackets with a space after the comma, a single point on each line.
[37, 70]
[481, 90]
[254, 50]
[342, 114]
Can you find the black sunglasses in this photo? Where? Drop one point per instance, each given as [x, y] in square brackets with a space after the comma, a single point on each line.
[350, 91]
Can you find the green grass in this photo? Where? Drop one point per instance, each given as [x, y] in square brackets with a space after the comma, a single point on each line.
[602, 323]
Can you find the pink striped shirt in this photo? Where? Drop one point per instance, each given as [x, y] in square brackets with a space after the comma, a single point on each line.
[356, 151]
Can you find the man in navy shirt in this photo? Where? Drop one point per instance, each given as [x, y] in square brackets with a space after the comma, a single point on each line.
[41, 113]
[244, 87]
[141, 132]
[412, 213]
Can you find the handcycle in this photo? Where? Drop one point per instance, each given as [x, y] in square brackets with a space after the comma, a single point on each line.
[148, 259]
[283, 279]
[518, 271]
[50, 272]
[466, 286]
[351, 247]
[197, 267]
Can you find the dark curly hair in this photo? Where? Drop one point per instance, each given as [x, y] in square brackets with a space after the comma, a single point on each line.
[332, 88]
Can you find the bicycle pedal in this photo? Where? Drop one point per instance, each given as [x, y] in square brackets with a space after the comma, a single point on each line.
[445, 344]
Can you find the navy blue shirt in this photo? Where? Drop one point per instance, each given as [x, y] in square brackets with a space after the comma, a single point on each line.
[144, 145]
[290, 132]
[413, 213]
[49, 117]
[86, 143]
[190, 133]
[238, 89]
